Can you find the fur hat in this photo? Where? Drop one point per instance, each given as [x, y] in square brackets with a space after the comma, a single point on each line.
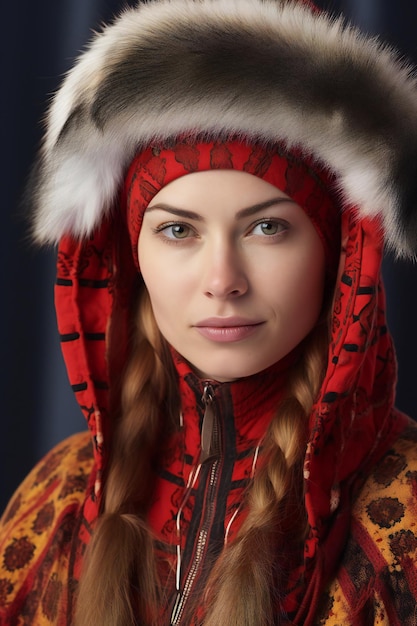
[270, 70]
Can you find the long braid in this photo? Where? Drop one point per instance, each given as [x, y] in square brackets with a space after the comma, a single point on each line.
[242, 587]
[120, 569]
[120, 558]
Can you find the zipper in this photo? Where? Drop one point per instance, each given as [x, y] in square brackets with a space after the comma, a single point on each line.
[209, 427]
[210, 448]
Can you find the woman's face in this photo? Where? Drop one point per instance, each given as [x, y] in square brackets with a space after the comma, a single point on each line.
[234, 269]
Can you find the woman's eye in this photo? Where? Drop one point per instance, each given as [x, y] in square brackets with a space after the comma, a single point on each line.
[176, 231]
[269, 227]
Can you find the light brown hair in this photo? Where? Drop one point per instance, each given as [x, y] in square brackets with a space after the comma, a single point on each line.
[119, 580]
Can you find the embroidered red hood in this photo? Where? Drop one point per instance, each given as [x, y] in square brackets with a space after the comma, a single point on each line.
[110, 105]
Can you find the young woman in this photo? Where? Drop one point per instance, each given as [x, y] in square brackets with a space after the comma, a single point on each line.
[220, 177]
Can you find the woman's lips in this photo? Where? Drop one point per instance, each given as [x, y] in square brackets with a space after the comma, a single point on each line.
[227, 329]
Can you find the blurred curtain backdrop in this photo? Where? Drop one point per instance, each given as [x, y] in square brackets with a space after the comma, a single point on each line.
[39, 43]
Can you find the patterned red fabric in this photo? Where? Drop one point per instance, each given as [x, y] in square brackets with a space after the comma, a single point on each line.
[300, 178]
[244, 410]
[352, 425]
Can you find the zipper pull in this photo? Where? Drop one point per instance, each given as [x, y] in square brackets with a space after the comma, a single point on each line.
[208, 447]
[176, 611]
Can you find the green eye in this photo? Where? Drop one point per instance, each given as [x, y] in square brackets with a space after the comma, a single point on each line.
[179, 231]
[270, 227]
[175, 231]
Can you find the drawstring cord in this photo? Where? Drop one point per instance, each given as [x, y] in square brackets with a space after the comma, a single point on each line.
[252, 474]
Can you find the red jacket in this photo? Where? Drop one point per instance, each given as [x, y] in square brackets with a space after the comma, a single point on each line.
[349, 103]
[354, 433]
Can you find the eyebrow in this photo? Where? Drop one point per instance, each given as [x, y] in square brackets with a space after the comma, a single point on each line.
[191, 215]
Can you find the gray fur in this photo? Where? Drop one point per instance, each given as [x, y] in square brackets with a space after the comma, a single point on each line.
[268, 70]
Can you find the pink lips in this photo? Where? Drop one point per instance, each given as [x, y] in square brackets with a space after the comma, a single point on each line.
[227, 329]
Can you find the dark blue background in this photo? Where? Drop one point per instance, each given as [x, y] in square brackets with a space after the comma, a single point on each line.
[39, 42]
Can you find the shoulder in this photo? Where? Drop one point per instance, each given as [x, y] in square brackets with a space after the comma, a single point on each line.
[387, 502]
[62, 472]
[377, 578]
[41, 516]
[384, 520]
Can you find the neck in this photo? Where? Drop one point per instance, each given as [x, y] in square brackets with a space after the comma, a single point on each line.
[249, 402]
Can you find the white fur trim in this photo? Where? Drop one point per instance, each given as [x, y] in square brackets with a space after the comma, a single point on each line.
[312, 82]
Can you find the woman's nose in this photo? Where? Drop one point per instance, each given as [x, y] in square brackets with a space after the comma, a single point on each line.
[224, 273]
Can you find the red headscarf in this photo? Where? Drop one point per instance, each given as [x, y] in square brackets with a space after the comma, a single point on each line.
[302, 180]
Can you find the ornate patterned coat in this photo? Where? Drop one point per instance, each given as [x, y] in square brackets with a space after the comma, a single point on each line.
[354, 107]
